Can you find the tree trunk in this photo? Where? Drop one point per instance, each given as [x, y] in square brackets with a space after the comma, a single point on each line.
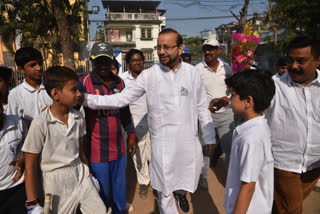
[65, 35]
[245, 11]
[275, 34]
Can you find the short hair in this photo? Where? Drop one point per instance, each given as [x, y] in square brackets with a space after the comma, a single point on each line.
[25, 55]
[131, 53]
[184, 55]
[5, 74]
[57, 76]
[303, 42]
[255, 83]
[115, 63]
[282, 61]
[170, 30]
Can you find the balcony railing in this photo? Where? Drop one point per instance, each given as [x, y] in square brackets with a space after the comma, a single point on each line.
[131, 16]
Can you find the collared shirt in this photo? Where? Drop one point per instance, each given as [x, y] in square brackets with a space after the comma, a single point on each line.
[26, 101]
[104, 126]
[12, 136]
[294, 120]
[138, 108]
[57, 143]
[214, 80]
[175, 101]
[251, 161]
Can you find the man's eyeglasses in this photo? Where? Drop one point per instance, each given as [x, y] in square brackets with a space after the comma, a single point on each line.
[165, 47]
[135, 61]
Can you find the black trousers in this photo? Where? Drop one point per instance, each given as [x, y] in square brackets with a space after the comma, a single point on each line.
[12, 201]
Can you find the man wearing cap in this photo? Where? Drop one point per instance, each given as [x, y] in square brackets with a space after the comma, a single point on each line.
[107, 151]
[176, 100]
[213, 73]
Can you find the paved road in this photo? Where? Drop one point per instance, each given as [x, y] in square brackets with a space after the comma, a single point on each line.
[202, 202]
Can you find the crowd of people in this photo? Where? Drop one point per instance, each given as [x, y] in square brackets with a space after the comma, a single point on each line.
[70, 136]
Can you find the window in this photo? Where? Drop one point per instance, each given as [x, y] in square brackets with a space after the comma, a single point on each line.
[129, 36]
[146, 33]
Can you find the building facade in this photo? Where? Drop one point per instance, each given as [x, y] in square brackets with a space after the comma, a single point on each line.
[134, 24]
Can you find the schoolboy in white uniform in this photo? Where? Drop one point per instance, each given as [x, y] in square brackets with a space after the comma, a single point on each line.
[12, 190]
[55, 139]
[30, 97]
[249, 187]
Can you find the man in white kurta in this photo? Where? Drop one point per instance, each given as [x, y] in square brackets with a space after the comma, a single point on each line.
[176, 99]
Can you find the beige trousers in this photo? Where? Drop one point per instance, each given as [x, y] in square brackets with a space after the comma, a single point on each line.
[71, 187]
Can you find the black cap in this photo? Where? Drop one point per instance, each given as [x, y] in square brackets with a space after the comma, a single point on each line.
[101, 49]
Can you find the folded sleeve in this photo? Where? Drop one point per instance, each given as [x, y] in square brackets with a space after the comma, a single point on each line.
[204, 115]
[128, 95]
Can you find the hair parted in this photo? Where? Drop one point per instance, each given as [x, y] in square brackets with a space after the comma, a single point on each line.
[131, 53]
[255, 83]
[5, 74]
[25, 55]
[57, 76]
[303, 42]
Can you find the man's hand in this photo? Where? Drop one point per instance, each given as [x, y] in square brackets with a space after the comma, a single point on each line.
[19, 165]
[217, 103]
[132, 144]
[209, 148]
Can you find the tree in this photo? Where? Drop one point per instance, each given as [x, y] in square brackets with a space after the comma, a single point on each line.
[195, 46]
[43, 24]
[299, 16]
[243, 15]
[58, 7]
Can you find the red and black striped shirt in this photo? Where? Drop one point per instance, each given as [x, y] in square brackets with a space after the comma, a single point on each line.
[104, 126]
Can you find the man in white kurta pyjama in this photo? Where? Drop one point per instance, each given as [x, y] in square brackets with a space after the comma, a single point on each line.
[176, 99]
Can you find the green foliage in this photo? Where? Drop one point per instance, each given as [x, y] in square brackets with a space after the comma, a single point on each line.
[298, 16]
[36, 23]
[195, 45]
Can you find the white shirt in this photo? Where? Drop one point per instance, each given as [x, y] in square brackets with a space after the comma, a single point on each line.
[294, 120]
[214, 81]
[26, 101]
[138, 108]
[57, 143]
[251, 161]
[175, 102]
[11, 139]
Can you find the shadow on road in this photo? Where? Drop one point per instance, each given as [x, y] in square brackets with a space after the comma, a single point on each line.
[221, 172]
[202, 203]
[131, 179]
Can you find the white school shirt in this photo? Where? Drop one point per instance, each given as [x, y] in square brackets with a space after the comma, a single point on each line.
[26, 101]
[138, 108]
[57, 143]
[12, 136]
[251, 161]
[294, 120]
[175, 102]
[214, 81]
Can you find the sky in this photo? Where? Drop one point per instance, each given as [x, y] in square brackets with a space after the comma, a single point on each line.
[191, 12]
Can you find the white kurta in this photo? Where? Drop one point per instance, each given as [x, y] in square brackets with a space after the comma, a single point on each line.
[175, 101]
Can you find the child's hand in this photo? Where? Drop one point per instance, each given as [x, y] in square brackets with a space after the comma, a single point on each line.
[132, 144]
[19, 165]
[33, 207]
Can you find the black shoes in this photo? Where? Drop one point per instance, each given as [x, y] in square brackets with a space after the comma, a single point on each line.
[182, 202]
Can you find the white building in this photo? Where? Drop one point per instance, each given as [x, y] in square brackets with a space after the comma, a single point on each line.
[134, 24]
